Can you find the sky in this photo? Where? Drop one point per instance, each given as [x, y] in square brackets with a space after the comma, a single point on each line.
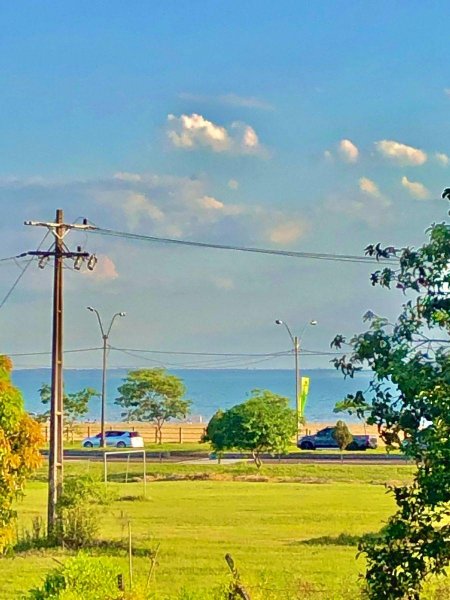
[313, 127]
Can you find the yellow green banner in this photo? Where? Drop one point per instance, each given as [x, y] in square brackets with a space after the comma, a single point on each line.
[303, 396]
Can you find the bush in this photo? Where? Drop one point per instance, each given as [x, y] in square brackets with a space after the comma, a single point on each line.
[81, 578]
[78, 513]
[96, 578]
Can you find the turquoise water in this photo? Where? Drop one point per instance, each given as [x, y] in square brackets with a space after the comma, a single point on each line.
[209, 389]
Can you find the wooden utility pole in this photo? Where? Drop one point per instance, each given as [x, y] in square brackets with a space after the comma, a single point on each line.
[55, 462]
[59, 252]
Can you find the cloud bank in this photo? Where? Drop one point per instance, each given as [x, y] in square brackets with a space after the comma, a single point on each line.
[442, 158]
[369, 187]
[192, 131]
[348, 151]
[401, 153]
[416, 189]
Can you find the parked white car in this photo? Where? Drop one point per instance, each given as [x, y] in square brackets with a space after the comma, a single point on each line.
[118, 439]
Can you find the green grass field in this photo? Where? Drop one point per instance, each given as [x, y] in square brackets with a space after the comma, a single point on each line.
[292, 535]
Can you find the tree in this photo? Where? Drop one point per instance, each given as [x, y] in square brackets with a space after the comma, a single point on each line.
[153, 395]
[409, 397]
[20, 440]
[76, 405]
[342, 436]
[264, 423]
[216, 433]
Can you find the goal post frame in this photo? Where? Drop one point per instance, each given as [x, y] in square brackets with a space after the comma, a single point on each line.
[127, 452]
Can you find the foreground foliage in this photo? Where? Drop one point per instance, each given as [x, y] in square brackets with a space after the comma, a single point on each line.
[409, 401]
[20, 440]
[80, 578]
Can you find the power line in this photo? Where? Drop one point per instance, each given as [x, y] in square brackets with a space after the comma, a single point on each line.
[24, 270]
[14, 258]
[16, 283]
[18, 354]
[218, 355]
[233, 354]
[289, 253]
[195, 365]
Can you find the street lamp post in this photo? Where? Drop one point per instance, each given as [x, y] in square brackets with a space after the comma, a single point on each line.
[296, 345]
[105, 336]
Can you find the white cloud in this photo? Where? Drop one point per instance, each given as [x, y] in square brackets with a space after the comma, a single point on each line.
[233, 184]
[369, 187]
[169, 206]
[328, 155]
[367, 205]
[249, 140]
[209, 209]
[137, 207]
[124, 176]
[190, 131]
[401, 153]
[194, 131]
[287, 232]
[447, 91]
[104, 270]
[210, 203]
[442, 158]
[416, 189]
[348, 151]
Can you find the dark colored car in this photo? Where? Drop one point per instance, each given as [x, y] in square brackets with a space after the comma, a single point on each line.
[325, 439]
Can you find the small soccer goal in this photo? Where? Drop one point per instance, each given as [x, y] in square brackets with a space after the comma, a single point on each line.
[119, 453]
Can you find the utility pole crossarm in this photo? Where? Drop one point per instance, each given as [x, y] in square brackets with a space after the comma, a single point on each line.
[52, 253]
[82, 226]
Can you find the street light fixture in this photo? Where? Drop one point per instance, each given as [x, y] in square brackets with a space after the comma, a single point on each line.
[296, 344]
[105, 336]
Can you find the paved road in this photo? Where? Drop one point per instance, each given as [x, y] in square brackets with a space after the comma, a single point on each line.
[361, 458]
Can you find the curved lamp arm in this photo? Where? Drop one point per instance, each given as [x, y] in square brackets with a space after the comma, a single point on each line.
[280, 322]
[119, 314]
[105, 335]
[312, 322]
[94, 310]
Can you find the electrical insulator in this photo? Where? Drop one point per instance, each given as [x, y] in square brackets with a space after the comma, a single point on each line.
[77, 263]
[92, 261]
[42, 262]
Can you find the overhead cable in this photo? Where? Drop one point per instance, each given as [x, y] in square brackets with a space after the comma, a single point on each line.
[48, 353]
[239, 354]
[24, 270]
[288, 253]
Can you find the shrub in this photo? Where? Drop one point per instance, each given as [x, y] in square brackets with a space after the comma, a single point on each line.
[80, 578]
[78, 513]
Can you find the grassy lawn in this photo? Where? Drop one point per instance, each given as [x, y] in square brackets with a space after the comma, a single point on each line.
[292, 535]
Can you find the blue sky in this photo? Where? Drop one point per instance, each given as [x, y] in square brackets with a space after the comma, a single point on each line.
[299, 126]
